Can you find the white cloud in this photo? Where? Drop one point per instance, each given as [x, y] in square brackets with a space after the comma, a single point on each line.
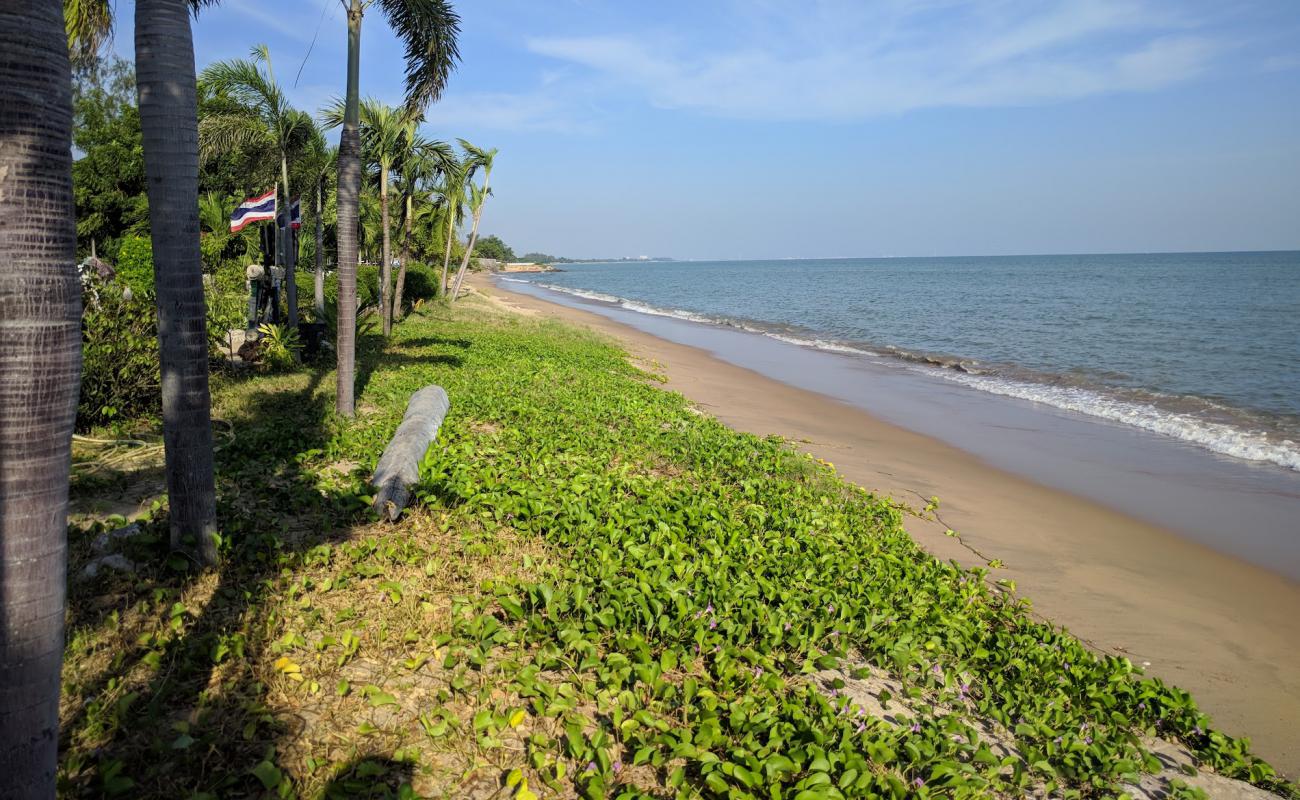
[522, 111]
[837, 59]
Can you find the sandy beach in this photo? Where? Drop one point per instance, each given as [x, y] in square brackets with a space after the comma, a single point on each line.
[1217, 626]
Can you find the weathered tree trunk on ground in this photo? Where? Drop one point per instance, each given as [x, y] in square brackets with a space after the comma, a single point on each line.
[349, 187]
[319, 299]
[399, 466]
[400, 286]
[168, 119]
[40, 369]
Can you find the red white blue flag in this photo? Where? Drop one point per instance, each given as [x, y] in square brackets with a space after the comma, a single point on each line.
[254, 209]
[295, 214]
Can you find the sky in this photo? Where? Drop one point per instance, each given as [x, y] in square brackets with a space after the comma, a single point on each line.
[723, 129]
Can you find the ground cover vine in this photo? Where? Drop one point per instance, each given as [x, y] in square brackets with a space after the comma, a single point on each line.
[600, 592]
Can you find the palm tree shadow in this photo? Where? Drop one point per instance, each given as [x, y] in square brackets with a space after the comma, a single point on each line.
[371, 348]
[370, 777]
[203, 682]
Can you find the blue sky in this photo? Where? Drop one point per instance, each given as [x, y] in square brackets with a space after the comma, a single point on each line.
[766, 129]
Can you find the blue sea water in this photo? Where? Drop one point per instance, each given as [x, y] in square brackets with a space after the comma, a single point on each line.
[1203, 347]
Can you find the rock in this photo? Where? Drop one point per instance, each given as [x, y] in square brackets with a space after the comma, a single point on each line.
[105, 541]
[115, 561]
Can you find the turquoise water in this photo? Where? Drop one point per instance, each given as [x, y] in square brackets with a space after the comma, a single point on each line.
[1203, 347]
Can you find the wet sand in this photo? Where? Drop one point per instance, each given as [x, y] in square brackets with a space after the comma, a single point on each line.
[1223, 629]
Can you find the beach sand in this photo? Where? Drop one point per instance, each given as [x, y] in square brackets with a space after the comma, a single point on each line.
[1225, 630]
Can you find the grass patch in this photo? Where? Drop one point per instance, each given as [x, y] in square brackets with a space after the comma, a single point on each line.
[599, 592]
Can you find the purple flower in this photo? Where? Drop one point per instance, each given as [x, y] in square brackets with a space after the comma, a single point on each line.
[862, 726]
[787, 626]
[709, 609]
[713, 623]
[937, 670]
[918, 783]
[618, 766]
[830, 608]
[916, 727]
[758, 672]
[591, 766]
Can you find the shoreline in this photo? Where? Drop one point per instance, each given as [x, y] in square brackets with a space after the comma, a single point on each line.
[1210, 623]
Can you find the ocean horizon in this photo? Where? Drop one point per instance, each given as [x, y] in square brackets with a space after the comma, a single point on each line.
[1201, 347]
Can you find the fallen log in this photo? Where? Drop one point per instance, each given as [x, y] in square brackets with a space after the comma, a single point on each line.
[399, 466]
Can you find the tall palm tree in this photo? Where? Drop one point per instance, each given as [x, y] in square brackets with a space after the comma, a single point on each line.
[166, 84]
[420, 161]
[320, 162]
[451, 191]
[167, 87]
[478, 158]
[383, 132]
[269, 121]
[40, 369]
[428, 30]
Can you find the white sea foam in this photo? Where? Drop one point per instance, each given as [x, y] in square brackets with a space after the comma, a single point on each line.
[1214, 436]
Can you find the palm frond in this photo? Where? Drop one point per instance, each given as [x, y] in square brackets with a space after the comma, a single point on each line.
[220, 134]
[89, 25]
[245, 82]
[428, 30]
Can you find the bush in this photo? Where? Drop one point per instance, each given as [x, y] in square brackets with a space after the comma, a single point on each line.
[119, 368]
[493, 247]
[135, 264]
[421, 283]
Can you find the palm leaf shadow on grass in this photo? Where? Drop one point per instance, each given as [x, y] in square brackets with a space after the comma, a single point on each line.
[372, 348]
[270, 507]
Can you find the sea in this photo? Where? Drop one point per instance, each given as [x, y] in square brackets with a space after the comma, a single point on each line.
[1199, 347]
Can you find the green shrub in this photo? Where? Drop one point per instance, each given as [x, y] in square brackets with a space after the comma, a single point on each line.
[119, 372]
[135, 264]
[421, 283]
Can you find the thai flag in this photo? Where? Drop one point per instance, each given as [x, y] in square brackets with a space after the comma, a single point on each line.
[254, 209]
[295, 214]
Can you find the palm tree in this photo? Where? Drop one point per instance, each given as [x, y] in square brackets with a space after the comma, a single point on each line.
[477, 157]
[320, 162]
[167, 90]
[269, 121]
[419, 162]
[451, 191]
[165, 81]
[428, 29]
[383, 134]
[40, 369]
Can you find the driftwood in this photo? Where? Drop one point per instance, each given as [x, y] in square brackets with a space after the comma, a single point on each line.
[399, 466]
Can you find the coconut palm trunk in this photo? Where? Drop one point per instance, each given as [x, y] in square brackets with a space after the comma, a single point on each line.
[290, 247]
[400, 286]
[446, 256]
[349, 190]
[40, 369]
[473, 235]
[319, 299]
[386, 270]
[164, 58]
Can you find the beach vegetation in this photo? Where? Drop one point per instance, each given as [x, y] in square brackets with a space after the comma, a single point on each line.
[493, 247]
[639, 602]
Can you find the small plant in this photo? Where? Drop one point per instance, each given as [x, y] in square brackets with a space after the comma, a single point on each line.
[279, 346]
